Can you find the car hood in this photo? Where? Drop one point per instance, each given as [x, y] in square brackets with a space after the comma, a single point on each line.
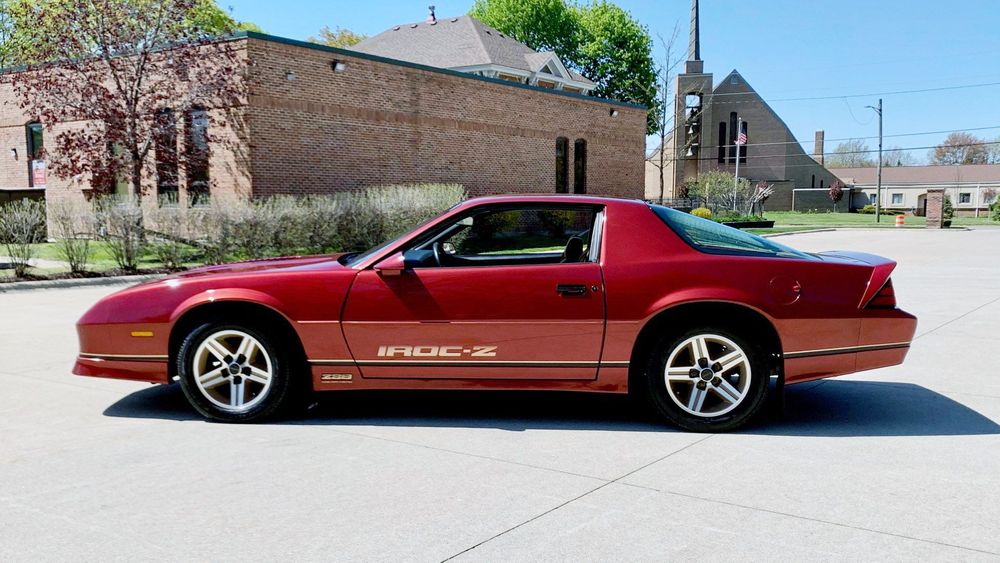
[258, 266]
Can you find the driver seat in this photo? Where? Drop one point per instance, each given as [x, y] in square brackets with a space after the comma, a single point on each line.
[573, 251]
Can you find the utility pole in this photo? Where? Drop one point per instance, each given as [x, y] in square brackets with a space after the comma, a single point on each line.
[878, 184]
[736, 177]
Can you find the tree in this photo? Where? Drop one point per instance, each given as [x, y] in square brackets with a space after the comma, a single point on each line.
[853, 153]
[717, 187]
[659, 158]
[896, 156]
[543, 25]
[993, 152]
[338, 37]
[836, 193]
[599, 40]
[21, 19]
[960, 148]
[616, 53]
[116, 65]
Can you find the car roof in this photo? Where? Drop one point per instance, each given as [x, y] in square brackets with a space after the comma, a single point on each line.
[548, 198]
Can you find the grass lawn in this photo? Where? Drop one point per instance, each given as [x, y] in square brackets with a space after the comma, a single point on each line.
[783, 219]
[101, 261]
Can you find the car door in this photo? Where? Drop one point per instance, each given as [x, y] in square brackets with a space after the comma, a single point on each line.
[519, 297]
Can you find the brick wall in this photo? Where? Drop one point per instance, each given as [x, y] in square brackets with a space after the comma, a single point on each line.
[935, 208]
[384, 123]
[379, 122]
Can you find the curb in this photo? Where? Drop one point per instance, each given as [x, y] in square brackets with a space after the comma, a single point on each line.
[799, 232]
[80, 282]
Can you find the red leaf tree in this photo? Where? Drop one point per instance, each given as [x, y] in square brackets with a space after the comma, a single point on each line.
[836, 193]
[115, 67]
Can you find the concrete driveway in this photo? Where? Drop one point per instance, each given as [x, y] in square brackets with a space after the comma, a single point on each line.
[900, 463]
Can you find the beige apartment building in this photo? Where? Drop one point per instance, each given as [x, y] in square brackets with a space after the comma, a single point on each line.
[971, 187]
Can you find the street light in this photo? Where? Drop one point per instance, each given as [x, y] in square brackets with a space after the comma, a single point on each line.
[878, 185]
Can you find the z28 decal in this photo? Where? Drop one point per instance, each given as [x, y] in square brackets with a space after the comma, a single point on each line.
[437, 351]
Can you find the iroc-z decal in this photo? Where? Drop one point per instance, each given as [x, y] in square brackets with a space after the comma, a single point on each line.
[437, 351]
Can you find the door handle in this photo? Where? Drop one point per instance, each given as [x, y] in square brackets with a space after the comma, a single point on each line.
[571, 289]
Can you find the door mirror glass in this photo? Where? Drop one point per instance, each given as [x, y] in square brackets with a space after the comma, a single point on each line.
[418, 259]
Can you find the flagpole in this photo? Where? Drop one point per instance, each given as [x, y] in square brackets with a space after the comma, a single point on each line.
[736, 177]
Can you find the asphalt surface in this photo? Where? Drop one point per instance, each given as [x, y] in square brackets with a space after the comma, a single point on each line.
[901, 463]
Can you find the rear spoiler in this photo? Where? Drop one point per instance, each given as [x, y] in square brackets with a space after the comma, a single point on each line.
[881, 269]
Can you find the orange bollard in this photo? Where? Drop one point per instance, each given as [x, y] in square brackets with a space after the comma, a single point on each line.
[900, 220]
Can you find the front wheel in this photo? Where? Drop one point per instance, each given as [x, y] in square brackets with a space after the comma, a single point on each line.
[234, 373]
[707, 379]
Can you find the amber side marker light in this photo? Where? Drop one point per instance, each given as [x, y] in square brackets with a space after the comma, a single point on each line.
[142, 333]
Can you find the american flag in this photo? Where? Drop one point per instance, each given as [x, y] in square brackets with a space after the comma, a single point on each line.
[742, 139]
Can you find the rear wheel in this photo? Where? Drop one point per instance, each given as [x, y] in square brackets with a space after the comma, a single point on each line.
[707, 379]
[234, 373]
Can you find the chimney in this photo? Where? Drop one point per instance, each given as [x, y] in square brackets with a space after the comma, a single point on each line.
[818, 148]
[431, 18]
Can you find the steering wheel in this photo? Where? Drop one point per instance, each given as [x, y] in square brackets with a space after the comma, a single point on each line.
[436, 247]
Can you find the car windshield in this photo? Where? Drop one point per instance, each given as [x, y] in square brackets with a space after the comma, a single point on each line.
[355, 257]
[709, 236]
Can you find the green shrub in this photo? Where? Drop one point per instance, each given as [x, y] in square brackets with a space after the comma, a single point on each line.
[22, 224]
[703, 212]
[121, 227]
[948, 210]
[870, 210]
[736, 218]
[73, 226]
[485, 227]
[168, 230]
[995, 211]
[556, 222]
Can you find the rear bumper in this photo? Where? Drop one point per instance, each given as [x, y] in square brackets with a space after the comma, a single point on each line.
[883, 341]
[133, 368]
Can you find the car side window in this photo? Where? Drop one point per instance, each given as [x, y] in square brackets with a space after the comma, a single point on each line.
[506, 236]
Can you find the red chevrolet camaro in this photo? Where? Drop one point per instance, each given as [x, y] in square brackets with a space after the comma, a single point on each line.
[516, 292]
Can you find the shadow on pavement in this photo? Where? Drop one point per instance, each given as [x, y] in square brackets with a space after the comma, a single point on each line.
[831, 408]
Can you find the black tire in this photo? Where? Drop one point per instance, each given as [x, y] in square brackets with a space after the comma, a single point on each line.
[270, 400]
[665, 401]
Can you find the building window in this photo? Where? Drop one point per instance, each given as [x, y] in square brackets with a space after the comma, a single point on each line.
[722, 141]
[732, 137]
[562, 165]
[965, 197]
[546, 84]
[165, 142]
[821, 184]
[572, 90]
[897, 199]
[580, 166]
[196, 128]
[872, 198]
[743, 149]
[35, 146]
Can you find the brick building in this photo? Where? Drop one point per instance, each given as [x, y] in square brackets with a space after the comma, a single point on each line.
[318, 120]
[708, 117]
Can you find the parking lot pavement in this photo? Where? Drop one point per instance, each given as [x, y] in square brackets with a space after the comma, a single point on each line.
[899, 463]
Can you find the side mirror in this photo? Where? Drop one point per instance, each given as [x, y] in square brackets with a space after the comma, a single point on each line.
[391, 266]
[418, 259]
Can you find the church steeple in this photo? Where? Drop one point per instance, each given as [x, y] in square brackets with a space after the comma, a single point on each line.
[694, 64]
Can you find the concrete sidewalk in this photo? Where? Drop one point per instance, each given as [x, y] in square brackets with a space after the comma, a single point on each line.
[900, 463]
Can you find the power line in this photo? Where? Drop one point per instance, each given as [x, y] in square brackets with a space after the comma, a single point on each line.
[868, 95]
[915, 134]
[804, 155]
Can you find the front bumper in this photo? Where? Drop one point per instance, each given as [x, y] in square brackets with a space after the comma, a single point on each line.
[133, 368]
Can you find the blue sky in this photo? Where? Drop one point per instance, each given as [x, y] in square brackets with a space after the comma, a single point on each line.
[784, 49]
